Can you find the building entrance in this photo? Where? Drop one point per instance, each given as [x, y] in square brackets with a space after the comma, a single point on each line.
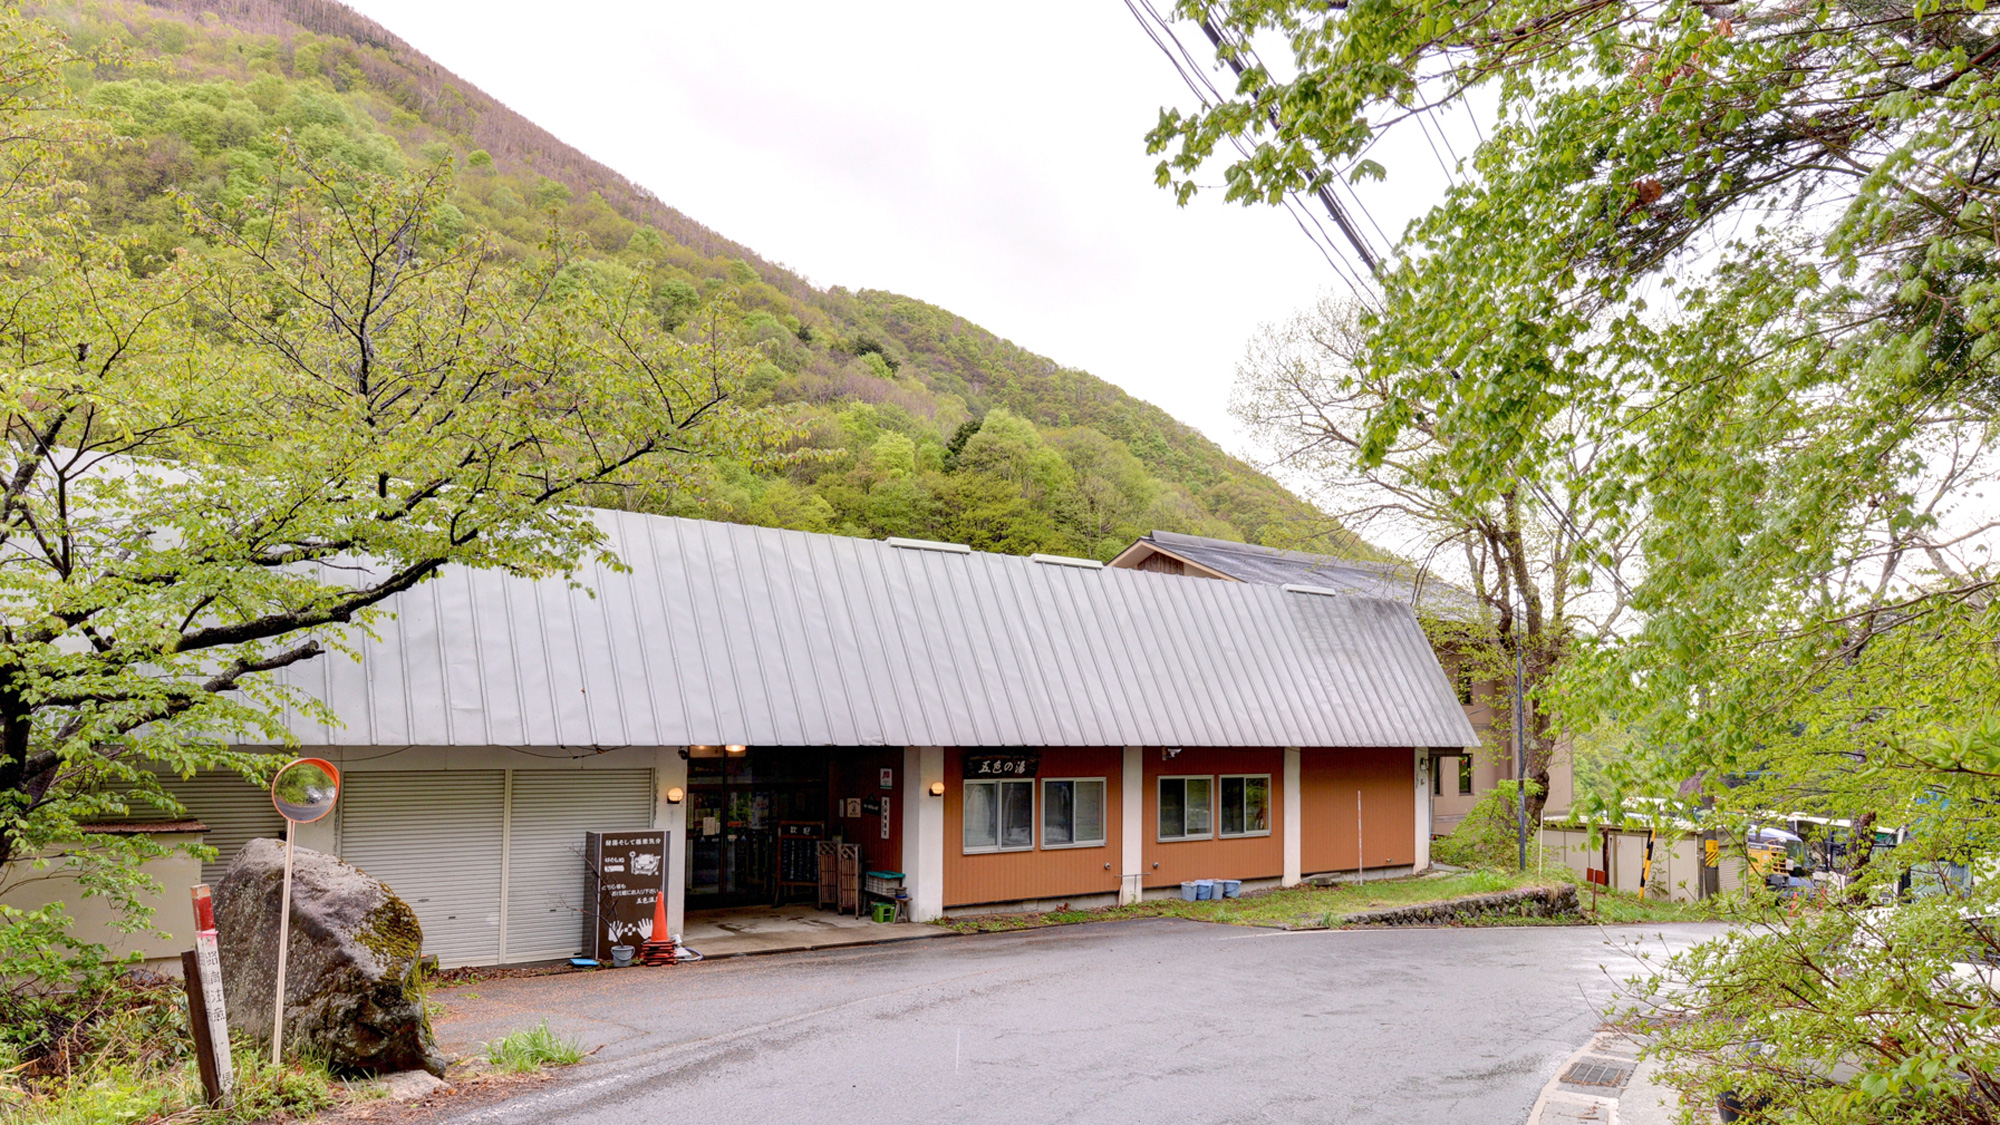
[738, 799]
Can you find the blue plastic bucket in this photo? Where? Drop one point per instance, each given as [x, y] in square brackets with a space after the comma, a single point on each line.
[1204, 889]
[1187, 892]
[1230, 888]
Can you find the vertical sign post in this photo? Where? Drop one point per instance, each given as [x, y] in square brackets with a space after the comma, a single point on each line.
[303, 792]
[201, 970]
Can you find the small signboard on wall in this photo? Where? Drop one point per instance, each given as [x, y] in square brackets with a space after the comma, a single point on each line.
[984, 764]
[624, 875]
[888, 779]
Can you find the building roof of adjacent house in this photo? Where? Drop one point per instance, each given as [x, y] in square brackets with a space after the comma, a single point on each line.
[724, 634]
[1245, 562]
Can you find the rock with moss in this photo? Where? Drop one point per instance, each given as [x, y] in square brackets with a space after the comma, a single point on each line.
[353, 990]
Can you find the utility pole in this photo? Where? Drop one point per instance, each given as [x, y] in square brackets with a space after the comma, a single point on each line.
[1520, 760]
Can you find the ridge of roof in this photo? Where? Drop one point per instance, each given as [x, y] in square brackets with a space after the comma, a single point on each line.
[1279, 566]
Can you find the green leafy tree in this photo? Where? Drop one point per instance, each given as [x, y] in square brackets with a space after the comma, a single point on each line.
[225, 469]
[1743, 256]
[1522, 546]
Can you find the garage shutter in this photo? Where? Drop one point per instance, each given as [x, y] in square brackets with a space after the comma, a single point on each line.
[235, 811]
[552, 810]
[434, 837]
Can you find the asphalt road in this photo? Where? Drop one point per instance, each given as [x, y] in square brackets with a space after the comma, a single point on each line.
[1154, 1020]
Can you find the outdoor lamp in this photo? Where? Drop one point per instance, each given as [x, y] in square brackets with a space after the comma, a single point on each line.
[937, 788]
[675, 794]
[738, 749]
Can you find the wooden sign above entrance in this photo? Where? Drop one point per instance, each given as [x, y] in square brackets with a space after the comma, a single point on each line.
[988, 764]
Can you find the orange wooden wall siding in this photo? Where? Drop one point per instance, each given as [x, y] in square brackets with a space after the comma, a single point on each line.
[1328, 779]
[1014, 876]
[1244, 857]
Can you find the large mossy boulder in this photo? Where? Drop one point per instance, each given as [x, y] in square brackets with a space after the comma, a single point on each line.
[352, 991]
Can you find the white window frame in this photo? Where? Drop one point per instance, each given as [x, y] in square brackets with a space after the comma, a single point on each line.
[1268, 793]
[999, 827]
[1159, 802]
[1103, 813]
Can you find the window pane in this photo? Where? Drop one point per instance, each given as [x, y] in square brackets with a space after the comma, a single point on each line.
[1257, 804]
[1089, 812]
[1017, 814]
[1200, 817]
[1173, 823]
[1465, 775]
[981, 815]
[1232, 806]
[1058, 813]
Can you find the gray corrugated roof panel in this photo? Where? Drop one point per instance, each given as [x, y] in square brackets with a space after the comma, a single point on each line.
[722, 633]
[1276, 567]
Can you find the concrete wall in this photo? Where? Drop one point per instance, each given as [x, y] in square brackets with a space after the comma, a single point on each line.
[96, 919]
[1676, 859]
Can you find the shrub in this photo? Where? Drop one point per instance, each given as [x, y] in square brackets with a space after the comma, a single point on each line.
[1486, 837]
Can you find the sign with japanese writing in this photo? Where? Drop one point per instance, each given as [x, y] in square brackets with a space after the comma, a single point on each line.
[625, 873]
[982, 765]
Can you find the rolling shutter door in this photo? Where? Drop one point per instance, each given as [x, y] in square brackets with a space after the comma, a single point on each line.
[434, 837]
[235, 811]
[552, 810]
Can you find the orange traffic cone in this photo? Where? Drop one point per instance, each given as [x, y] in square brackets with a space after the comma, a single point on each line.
[659, 949]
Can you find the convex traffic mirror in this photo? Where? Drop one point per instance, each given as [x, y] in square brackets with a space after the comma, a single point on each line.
[305, 790]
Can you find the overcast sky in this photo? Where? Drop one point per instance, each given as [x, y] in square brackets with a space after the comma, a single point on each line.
[986, 158]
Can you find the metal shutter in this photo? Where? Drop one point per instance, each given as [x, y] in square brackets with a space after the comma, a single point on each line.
[552, 810]
[434, 837]
[235, 811]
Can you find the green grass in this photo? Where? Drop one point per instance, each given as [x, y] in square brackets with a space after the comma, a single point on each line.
[532, 1049]
[1311, 907]
[123, 1093]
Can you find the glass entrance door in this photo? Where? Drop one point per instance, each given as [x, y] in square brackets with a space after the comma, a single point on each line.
[735, 802]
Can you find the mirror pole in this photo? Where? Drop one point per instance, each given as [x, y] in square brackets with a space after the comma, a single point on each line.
[284, 942]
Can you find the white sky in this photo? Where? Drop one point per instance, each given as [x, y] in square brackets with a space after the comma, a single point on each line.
[987, 159]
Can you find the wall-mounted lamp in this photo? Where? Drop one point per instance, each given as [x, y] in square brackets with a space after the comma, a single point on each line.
[738, 749]
[937, 788]
[1167, 753]
[675, 795]
[684, 753]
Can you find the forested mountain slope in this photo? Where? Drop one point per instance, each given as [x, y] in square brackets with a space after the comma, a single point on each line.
[920, 423]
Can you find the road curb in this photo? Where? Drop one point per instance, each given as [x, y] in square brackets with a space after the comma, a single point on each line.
[1604, 1082]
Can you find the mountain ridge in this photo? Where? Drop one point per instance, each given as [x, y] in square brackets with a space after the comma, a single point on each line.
[876, 370]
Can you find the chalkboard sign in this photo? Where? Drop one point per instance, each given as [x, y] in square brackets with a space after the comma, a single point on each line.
[624, 875]
[983, 764]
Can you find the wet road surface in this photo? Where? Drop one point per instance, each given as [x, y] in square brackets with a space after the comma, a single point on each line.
[1151, 1020]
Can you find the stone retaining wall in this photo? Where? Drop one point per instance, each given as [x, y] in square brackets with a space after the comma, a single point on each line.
[1535, 902]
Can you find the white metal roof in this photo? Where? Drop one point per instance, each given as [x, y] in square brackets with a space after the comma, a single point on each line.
[722, 633]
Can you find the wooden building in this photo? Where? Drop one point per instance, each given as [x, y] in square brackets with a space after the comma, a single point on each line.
[1005, 731]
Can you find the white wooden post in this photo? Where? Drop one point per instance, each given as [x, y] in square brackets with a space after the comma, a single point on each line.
[1132, 819]
[1294, 825]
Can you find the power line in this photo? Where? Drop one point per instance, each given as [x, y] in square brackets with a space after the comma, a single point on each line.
[1193, 75]
[1333, 207]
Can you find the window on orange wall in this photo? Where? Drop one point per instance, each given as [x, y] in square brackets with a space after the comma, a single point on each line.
[1245, 807]
[1465, 775]
[1072, 812]
[999, 816]
[1187, 808]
